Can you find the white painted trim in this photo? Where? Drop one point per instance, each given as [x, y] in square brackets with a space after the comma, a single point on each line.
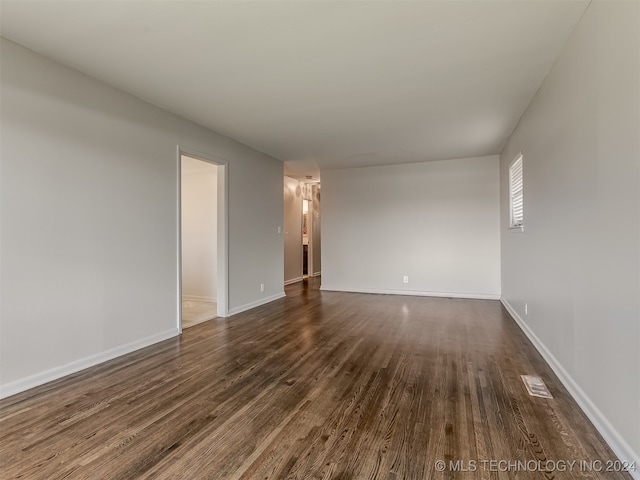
[179, 239]
[223, 240]
[257, 303]
[196, 298]
[56, 373]
[617, 443]
[317, 274]
[294, 280]
[416, 293]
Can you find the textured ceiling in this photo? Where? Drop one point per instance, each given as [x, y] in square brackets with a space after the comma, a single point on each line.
[333, 84]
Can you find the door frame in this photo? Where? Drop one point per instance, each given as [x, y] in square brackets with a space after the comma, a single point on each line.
[222, 229]
[309, 246]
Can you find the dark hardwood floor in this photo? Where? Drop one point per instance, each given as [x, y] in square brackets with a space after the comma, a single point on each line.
[318, 385]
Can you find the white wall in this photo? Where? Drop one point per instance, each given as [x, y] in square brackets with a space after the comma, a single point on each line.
[435, 222]
[292, 230]
[199, 230]
[316, 231]
[89, 218]
[577, 263]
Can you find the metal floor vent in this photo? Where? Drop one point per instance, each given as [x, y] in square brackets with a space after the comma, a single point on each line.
[535, 386]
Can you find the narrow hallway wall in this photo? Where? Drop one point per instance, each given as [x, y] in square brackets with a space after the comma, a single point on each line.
[199, 230]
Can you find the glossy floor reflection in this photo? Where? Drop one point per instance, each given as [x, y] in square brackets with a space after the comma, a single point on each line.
[317, 385]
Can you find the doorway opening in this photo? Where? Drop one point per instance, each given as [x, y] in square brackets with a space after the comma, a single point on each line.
[306, 226]
[301, 230]
[202, 227]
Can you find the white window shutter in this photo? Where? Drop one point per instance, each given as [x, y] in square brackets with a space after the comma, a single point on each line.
[516, 193]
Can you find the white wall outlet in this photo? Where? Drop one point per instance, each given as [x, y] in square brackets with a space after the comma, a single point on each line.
[526, 309]
[279, 230]
[405, 279]
[262, 287]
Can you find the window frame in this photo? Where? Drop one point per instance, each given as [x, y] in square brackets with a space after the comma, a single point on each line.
[516, 193]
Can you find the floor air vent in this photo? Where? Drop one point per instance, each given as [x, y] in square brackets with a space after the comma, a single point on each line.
[535, 386]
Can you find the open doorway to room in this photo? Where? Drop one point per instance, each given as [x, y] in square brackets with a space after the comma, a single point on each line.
[201, 219]
[306, 245]
[302, 230]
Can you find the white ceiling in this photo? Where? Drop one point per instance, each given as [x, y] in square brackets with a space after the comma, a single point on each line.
[328, 83]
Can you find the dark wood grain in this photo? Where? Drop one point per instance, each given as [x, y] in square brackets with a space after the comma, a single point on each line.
[318, 385]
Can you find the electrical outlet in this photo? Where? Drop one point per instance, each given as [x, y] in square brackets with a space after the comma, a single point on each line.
[526, 309]
[279, 230]
[262, 287]
[405, 279]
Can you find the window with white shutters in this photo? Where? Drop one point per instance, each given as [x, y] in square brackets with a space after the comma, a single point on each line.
[516, 193]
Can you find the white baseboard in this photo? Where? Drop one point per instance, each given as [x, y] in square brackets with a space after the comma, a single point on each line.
[56, 373]
[196, 298]
[613, 438]
[413, 293]
[317, 274]
[294, 280]
[257, 303]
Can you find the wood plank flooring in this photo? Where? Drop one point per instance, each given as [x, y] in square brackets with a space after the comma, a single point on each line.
[318, 385]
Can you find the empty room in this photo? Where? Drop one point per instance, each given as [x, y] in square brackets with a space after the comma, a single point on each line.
[408, 233]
